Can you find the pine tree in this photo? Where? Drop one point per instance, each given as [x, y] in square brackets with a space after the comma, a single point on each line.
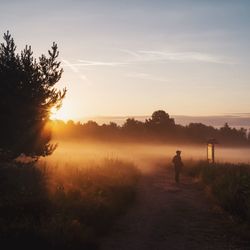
[27, 95]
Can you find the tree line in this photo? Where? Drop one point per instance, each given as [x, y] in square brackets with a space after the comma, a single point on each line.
[159, 128]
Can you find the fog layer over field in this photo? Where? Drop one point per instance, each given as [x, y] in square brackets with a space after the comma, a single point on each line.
[143, 155]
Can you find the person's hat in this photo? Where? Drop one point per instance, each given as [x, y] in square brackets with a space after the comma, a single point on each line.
[178, 152]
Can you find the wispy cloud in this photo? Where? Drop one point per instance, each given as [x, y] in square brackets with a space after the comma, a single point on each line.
[146, 76]
[99, 63]
[130, 52]
[75, 69]
[189, 56]
[145, 57]
[70, 65]
[164, 56]
[155, 56]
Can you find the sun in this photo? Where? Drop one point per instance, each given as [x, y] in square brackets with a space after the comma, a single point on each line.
[61, 114]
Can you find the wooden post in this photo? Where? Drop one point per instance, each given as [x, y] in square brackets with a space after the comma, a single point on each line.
[211, 150]
[212, 153]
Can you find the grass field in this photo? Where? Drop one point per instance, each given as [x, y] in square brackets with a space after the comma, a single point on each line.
[63, 207]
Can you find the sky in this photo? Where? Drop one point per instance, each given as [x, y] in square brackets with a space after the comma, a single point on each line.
[187, 57]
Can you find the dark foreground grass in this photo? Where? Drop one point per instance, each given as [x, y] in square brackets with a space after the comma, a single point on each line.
[229, 184]
[66, 207]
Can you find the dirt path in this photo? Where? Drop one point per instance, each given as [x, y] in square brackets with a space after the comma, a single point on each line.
[170, 216]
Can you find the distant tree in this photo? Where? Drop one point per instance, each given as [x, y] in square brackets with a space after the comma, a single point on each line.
[27, 94]
[162, 118]
[109, 131]
[70, 123]
[91, 125]
[160, 123]
[198, 132]
[226, 128]
[113, 125]
[132, 125]
[134, 128]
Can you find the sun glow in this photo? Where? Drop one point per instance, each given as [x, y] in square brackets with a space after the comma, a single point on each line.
[61, 114]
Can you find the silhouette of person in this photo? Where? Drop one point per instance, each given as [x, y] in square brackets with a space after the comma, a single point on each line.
[178, 164]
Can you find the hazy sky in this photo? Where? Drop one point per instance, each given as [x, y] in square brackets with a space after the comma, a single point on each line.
[188, 57]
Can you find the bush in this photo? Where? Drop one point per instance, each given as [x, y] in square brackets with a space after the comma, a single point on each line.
[230, 184]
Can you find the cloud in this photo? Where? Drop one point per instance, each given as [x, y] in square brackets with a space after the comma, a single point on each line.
[130, 52]
[161, 56]
[100, 63]
[149, 56]
[74, 68]
[181, 56]
[146, 76]
[70, 65]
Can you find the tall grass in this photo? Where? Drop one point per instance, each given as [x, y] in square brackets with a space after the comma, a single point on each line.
[68, 207]
[229, 183]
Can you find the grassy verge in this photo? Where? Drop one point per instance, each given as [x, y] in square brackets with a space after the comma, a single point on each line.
[229, 184]
[66, 207]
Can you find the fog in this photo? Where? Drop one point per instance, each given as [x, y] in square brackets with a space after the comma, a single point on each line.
[145, 156]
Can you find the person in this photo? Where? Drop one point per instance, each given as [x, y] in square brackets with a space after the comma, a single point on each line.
[177, 165]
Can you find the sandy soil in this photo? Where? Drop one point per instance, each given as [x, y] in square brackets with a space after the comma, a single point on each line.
[172, 216]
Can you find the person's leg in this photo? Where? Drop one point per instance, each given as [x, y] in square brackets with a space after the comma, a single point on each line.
[176, 176]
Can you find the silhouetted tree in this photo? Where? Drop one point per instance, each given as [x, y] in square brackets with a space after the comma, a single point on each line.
[133, 129]
[70, 123]
[131, 125]
[199, 132]
[27, 94]
[161, 119]
[160, 125]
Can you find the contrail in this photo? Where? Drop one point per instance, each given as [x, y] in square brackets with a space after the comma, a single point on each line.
[98, 63]
[75, 70]
[70, 65]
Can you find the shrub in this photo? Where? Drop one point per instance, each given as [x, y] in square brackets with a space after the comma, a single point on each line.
[230, 184]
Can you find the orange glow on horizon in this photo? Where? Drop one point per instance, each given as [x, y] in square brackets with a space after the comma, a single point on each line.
[61, 114]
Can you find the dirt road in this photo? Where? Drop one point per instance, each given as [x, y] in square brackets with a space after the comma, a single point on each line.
[170, 216]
